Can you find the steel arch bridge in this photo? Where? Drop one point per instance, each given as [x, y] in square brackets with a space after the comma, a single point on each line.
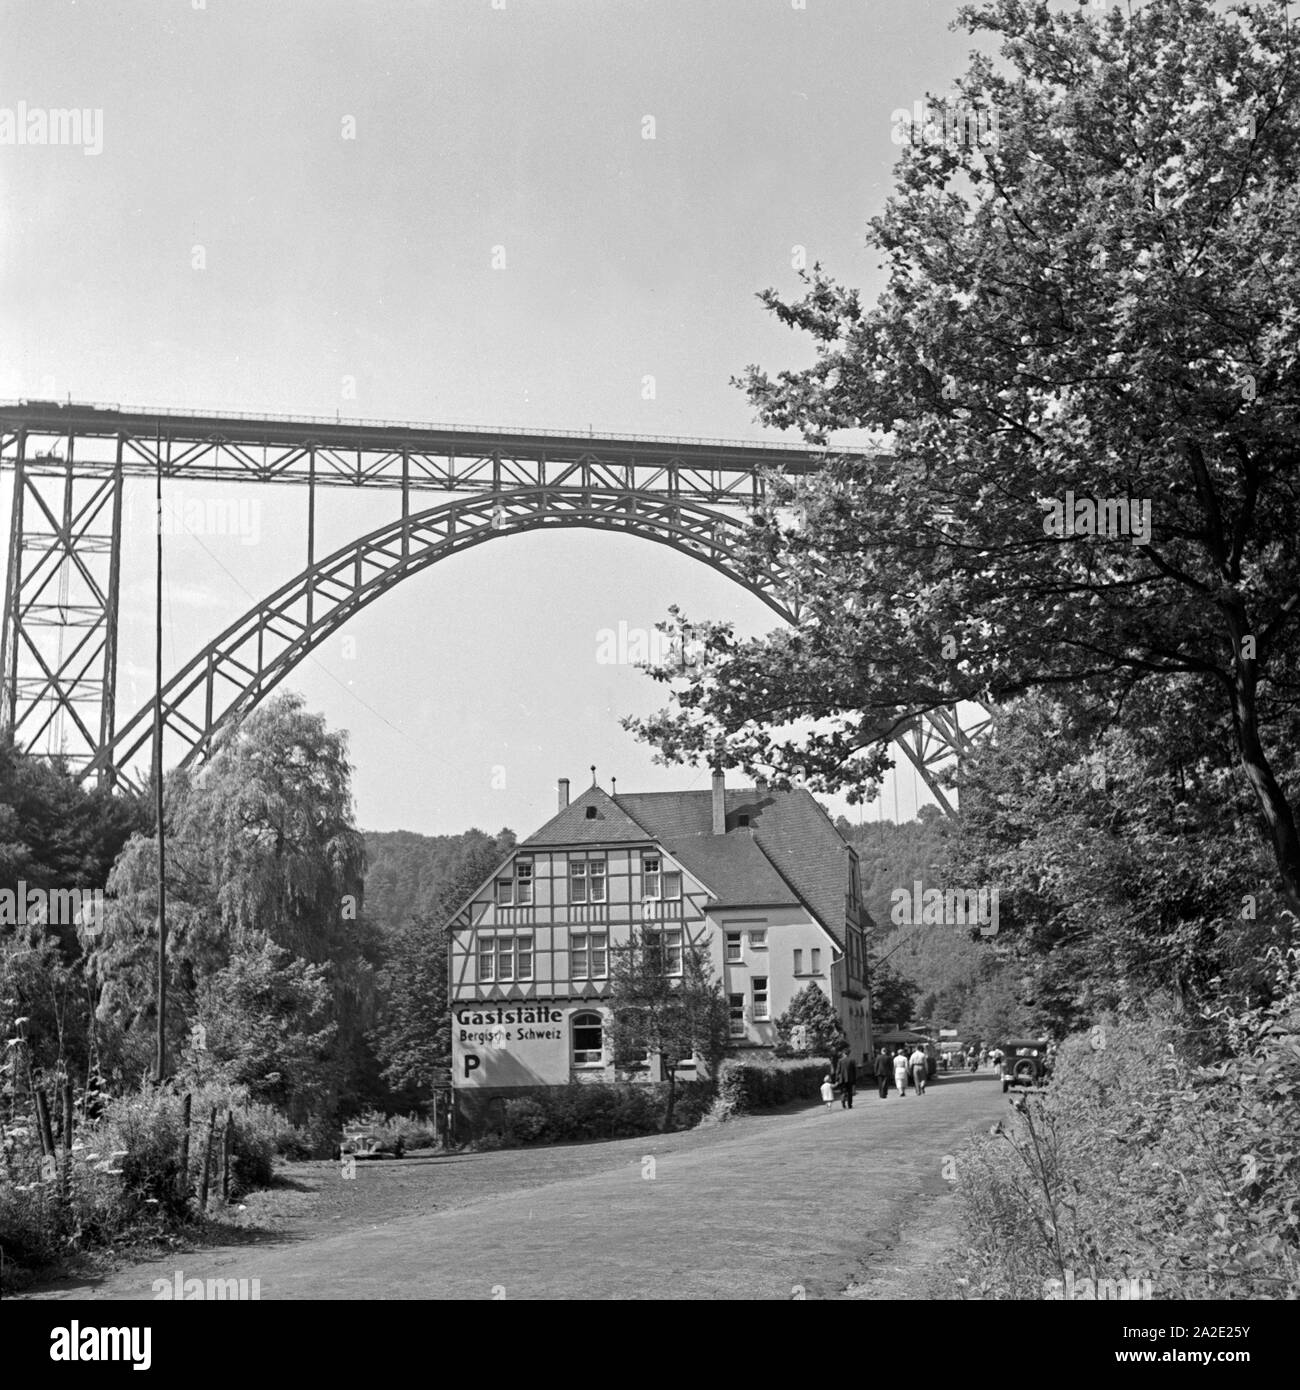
[58, 652]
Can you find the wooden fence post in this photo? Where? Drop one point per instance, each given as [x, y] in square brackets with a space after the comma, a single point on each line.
[207, 1160]
[185, 1148]
[43, 1121]
[67, 1135]
[227, 1144]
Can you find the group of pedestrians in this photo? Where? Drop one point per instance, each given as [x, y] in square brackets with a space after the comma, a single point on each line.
[899, 1069]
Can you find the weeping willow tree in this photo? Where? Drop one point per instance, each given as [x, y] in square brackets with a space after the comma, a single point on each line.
[262, 851]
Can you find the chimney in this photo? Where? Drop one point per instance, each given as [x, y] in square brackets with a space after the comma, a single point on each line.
[564, 792]
[719, 804]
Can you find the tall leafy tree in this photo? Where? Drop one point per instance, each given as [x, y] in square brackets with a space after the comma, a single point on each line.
[1104, 301]
[654, 1012]
[261, 847]
[1124, 858]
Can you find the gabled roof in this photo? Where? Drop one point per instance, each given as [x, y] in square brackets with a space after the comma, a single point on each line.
[788, 853]
[792, 830]
[572, 826]
[733, 868]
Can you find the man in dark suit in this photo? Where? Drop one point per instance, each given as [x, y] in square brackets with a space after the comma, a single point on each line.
[846, 1078]
[884, 1070]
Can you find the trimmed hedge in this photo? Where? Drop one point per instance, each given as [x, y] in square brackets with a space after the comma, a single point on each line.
[599, 1110]
[747, 1086]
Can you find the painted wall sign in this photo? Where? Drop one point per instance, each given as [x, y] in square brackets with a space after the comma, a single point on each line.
[509, 1045]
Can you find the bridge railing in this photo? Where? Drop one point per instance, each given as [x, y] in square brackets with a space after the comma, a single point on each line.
[427, 426]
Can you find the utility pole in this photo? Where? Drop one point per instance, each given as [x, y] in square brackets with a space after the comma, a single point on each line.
[160, 1054]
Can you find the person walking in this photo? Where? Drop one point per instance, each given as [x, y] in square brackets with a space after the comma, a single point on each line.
[883, 1069]
[846, 1074]
[828, 1092]
[916, 1062]
[900, 1071]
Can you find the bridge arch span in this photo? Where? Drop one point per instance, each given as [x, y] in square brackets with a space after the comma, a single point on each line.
[237, 669]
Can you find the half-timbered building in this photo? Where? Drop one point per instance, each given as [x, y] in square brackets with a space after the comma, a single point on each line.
[758, 878]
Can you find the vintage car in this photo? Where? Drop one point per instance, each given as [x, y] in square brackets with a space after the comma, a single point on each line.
[1025, 1062]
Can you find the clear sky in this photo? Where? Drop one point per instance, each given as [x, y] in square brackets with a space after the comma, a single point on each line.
[297, 208]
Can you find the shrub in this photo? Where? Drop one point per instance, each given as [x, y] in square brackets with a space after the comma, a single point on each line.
[585, 1110]
[124, 1178]
[1139, 1161]
[744, 1087]
[525, 1120]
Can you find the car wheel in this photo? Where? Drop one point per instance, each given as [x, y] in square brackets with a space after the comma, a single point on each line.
[1025, 1070]
[1005, 1085]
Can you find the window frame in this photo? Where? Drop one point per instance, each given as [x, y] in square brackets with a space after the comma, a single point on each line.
[667, 948]
[766, 1006]
[501, 951]
[798, 961]
[579, 1020]
[647, 874]
[736, 940]
[736, 1015]
[523, 878]
[588, 951]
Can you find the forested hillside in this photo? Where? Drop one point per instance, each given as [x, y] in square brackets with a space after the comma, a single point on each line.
[409, 874]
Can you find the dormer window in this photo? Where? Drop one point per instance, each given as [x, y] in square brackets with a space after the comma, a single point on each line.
[591, 813]
[742, 819]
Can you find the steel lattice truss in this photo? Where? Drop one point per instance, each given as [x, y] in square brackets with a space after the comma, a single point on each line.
[932, 742]
[58, 654]
[230, 676]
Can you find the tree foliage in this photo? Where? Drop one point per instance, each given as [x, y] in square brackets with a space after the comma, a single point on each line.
[812, 1011]
[654, 1013]
[413, 1034]
[1104, 302]
[261, 847]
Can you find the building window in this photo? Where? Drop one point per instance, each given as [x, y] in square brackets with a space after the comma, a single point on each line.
[816, 962]
[742, 820]
[736, 1012]
[517, 892]
[588, 955]
[665, 947]
[734, 952]
[798, 961]
[586, 880]
[588, 1040]
[505, 958]
[658, 882]
[758, 940]
[760, 996]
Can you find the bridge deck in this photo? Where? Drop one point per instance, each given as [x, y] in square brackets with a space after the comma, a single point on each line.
[354, 453]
